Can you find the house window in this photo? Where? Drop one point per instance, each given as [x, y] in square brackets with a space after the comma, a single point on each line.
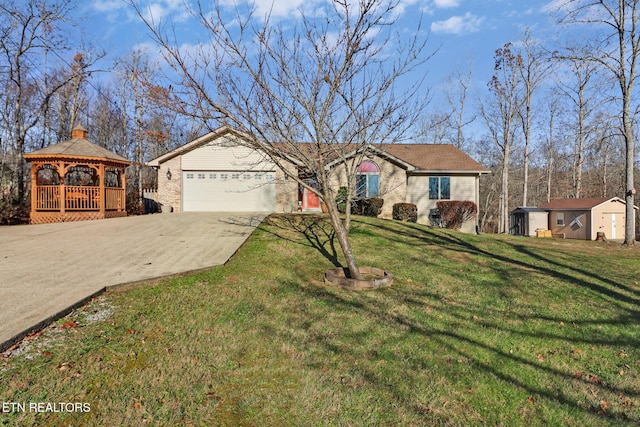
[559, 218]
[368, 180]
[439, 188]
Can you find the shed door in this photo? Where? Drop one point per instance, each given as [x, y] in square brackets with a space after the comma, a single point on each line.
[613, 226]
[222, 191]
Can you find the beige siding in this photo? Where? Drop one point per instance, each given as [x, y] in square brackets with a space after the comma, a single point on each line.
[224, 154]
[393, 183]
[609, 219]
[569, 230]
[286, 190]
[462, 188]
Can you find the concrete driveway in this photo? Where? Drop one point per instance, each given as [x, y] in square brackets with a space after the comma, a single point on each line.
[45, 270]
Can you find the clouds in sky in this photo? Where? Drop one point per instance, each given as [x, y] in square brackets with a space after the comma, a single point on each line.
[457, 25]
[446, 4]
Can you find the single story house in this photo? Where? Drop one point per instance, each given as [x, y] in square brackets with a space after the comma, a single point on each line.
[216, 172]
[586, 217]
[525, 220]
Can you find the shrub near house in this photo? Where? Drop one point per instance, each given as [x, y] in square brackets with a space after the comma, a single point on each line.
[454, 213]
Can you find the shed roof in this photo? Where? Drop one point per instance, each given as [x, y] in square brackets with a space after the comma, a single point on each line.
[586, 203]
[529, 209]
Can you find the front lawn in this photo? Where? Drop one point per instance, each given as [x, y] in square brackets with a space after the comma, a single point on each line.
[476, 330]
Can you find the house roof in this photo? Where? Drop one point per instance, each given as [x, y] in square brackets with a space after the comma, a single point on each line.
[434, 157]
[415, 157]
[586, 203]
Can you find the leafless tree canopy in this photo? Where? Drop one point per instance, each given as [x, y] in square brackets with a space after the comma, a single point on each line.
[318, 92]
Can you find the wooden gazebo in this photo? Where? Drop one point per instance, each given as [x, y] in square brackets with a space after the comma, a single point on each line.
[76, 180]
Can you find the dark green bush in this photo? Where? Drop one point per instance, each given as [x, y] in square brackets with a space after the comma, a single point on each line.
[368, 207]
[341, 199]
[405, 212]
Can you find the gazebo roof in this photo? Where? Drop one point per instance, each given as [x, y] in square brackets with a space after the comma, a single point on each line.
[76, 147]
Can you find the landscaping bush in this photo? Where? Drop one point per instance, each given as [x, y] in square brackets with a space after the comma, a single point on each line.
[405, 212]
[371, 206]
[341, 200]
[454, 213]
[13, 212]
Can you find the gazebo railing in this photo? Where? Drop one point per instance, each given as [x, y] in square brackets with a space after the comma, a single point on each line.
[48, 197]
[115, 199]
[82, 198]
[78, 198]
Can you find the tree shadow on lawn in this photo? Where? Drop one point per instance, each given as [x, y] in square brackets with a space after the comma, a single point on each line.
[618, 291]
[452, 339]
[316, 235]
[315, 230]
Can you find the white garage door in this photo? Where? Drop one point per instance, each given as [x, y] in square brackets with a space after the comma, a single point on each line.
[220, 191]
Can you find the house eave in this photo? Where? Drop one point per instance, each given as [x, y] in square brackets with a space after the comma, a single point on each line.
[371, 149]
[198, 142]
[447, 172]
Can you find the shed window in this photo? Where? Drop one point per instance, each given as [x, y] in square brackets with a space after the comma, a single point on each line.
[559, 218]
[439, 188]
[368, 180]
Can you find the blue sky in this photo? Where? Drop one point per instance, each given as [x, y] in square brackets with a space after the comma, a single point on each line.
[464, 31]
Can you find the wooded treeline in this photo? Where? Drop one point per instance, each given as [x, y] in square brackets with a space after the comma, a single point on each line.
[550, 123]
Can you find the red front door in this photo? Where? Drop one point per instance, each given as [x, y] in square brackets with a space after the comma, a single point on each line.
[310, 200]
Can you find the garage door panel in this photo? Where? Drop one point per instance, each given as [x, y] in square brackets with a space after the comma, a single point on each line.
[229, 192]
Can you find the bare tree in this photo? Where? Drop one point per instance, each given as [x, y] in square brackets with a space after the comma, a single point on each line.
[501, 114]
[533, 69]
[26, 33]
[457, 93]
[581, 87]
[617, 48]
[330, 81]
[71, 99]
[552, 107]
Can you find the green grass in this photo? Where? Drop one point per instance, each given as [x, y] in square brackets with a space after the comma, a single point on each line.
[476, 330]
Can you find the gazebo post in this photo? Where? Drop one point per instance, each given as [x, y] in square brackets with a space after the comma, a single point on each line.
[102, 192]
[123, 208]
[61, 175]
[34, 183]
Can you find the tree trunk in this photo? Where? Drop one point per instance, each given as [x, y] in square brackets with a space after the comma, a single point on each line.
[630, 223]
[343, 240]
